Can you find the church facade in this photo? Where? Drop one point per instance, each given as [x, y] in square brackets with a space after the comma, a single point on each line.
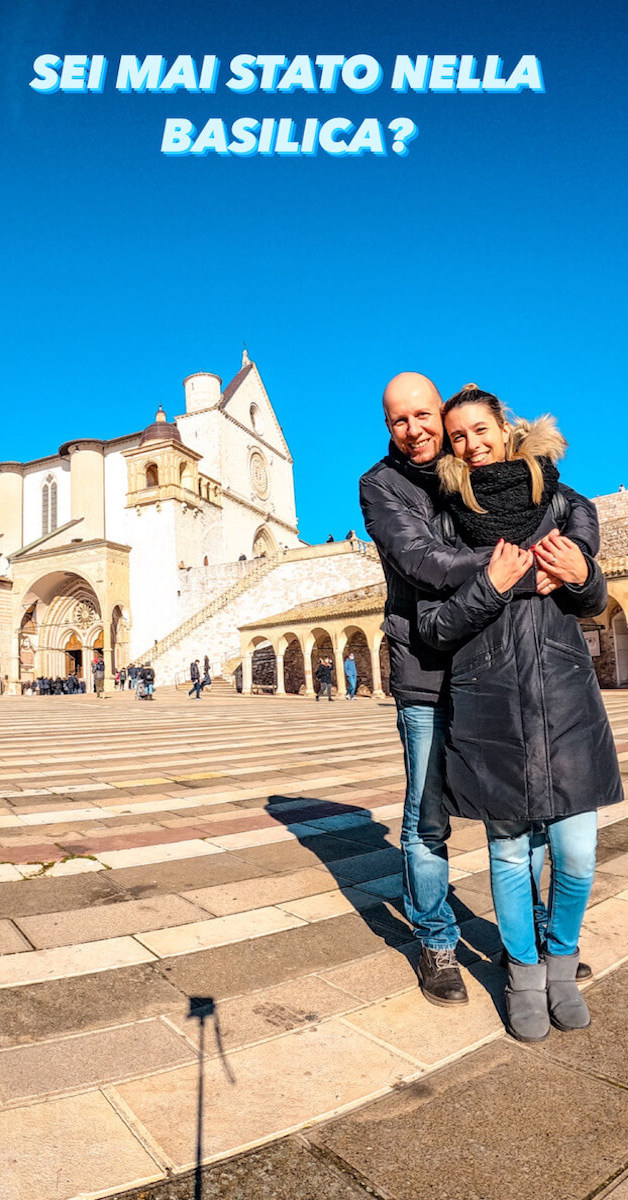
[106, 546]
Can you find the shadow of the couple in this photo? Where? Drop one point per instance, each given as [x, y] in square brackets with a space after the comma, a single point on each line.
[355, 848]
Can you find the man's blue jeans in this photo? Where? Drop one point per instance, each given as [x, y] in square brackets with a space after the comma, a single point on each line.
[516, 864]
[425, 828]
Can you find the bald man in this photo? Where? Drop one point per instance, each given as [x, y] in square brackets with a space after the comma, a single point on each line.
[399, 498]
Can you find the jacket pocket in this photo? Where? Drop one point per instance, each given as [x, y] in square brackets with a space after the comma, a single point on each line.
[578, 654]
[470, 669]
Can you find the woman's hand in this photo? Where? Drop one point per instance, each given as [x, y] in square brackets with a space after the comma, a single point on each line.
[560, 557]
[546, 583]
[508, 565]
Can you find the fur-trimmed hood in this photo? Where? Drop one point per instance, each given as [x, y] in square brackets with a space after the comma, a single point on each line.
[528, 439]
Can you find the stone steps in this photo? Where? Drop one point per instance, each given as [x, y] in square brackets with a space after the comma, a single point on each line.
[244, 851]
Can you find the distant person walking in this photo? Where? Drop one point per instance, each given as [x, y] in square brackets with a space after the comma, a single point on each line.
[195, 677]
[323, 674]
[98, 669]
[132, 675]
[147, 680]
[351, 672]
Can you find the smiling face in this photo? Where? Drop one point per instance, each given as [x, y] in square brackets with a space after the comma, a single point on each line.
[412, 407]
[476, 435]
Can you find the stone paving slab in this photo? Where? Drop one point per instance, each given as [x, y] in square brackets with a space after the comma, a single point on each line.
[38, 965]
[502, 1124]
[263, 1090]
[183, 874]
[90, 1059]
[241, 896]
[415, 1027]
[217, 931]
[273, 959]
[65, 1148]
[265, 1014]
[11, 940]
[114, 920]
[45, 1010]
[287, 1170]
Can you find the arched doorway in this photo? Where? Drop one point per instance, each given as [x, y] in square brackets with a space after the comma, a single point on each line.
[293, 666]
[323, 648]
[384, 665]
[264, 667]
[74, 652]
[359, 647]
[62, 604]
[620, 638]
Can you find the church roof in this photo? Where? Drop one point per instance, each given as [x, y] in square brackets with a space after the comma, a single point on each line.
[232, 387]
[160, 430]
[359, 602]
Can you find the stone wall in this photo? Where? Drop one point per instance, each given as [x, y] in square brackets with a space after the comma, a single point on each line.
[315, 575]
[613, 514]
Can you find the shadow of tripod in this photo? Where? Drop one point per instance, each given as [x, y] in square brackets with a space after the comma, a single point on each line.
[202, 1007]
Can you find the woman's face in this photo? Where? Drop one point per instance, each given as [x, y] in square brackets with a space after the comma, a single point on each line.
[476, 435]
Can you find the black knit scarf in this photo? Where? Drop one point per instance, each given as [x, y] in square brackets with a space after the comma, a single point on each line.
[504, 489]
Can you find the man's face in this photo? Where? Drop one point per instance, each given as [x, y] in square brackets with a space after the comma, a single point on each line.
[413, 416]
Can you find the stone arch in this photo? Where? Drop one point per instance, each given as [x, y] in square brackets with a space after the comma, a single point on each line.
[293, 663]
[619, 627]
[61, 602]
[151, 473]
[320, 646]
[263, 663]
[356, 643]
[264, 543]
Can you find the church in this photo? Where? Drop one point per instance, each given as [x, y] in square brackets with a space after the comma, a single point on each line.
[181, 540]
[108, 546]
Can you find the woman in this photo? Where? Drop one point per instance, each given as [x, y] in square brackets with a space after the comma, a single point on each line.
[529, 749]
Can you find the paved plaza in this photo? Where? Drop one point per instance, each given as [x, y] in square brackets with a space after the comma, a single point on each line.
[202, 951]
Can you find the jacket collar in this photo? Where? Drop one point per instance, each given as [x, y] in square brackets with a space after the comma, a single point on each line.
[423, 475]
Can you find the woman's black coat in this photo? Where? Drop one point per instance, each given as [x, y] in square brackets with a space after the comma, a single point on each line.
[529, 738]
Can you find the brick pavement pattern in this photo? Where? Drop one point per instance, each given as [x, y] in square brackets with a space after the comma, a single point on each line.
[211, 893]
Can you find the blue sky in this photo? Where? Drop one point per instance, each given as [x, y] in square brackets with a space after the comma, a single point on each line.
[495, 251]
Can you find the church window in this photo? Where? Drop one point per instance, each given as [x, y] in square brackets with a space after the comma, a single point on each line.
[152, 476]
[256, 419]
[49, 505]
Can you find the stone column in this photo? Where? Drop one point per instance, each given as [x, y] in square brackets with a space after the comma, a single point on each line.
[247, 674]
[307, 668]
[340, 671]
[13, 685]
[378, 692]
[281, 683]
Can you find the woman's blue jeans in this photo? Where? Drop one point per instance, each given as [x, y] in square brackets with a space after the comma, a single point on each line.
[425, 827]
[516, 863]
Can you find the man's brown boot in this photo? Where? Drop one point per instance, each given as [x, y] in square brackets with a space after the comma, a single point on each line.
[440, 979]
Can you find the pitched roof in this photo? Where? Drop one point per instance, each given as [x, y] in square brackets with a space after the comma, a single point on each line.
[232, 387]
[358, 602]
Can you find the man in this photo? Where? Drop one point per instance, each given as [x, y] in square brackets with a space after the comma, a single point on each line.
[323, 674]
[195, 679]
[399, 497]
[351, 672]
[98, 668]
[147, 678]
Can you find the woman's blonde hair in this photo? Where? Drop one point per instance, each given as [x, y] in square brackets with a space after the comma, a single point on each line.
[516, 446]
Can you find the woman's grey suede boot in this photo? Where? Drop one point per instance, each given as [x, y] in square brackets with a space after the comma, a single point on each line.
[566, 1005]
[526, 1001]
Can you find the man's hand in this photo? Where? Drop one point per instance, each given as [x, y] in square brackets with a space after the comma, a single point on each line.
[508, 565]
[561, 558]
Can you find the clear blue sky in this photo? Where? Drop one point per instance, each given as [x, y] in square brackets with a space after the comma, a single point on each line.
[495, 251]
